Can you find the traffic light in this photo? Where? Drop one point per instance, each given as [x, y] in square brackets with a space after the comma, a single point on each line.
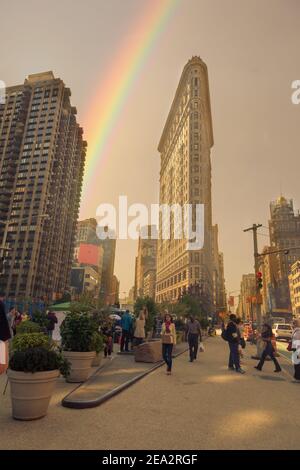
[259, 281]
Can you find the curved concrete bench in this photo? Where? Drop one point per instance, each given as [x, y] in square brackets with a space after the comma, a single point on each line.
[148, 352]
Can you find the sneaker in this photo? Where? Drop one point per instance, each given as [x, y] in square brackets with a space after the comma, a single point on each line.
[258, 368]
[277, 370]
[241, 371]
[230, 368]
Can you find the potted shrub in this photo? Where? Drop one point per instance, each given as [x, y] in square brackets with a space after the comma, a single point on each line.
[28, 326]
[33, 370]
[98, 347]
[78, 344]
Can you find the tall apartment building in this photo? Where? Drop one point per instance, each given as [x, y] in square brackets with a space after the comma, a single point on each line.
[145, 261]
[185, 178]
[42, 154]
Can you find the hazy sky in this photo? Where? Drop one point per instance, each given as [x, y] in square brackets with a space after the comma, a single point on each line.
[251, 48]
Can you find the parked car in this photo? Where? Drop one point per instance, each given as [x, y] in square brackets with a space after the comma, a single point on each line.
[282, 331]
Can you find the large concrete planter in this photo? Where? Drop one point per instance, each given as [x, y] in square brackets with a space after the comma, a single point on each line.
[96, 362]
[81, 363]
[31, 393]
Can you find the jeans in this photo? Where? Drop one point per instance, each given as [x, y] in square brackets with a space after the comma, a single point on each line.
[268, 351]
[193, 345]
[125, 340]
[234, 357]
[167, 350]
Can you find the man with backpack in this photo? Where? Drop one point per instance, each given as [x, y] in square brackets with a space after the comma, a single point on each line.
[232, 336]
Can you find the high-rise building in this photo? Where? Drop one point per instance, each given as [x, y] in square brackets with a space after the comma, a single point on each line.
[114, 295]
[85, 279]
[246, 308]
[219, 292]
[86, 231]
[149, 283]
[108, 263]
[284, 227]
[42, 154]
[185, 178]
[294, 280]
[146, 258]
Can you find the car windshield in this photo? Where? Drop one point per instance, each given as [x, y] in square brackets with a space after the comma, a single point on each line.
[284, 327]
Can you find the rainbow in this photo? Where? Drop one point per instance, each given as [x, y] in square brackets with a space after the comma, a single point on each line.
[108, 102]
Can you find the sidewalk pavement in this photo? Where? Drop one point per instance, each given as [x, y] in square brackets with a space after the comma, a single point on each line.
[116, 374]
[201, 405]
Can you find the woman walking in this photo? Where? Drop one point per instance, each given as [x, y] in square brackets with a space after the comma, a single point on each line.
[266, 336]
[296, 349]
[168, 339]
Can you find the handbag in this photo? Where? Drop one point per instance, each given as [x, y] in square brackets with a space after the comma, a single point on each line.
[201, 347]
[167, 339]
[243, 343]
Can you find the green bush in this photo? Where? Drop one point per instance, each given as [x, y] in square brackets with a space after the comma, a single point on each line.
[28, 326]
[98, 344]
[25, 341]
[39, 360]
[41, 319]
[77, 332]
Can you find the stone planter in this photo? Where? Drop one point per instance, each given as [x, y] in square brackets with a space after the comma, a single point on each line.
[96, 362]
[81, 363]
[31, 393]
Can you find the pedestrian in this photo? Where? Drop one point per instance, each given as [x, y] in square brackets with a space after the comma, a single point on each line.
[242, 343]
[52, 320]
[296, 349]
[11, 319]
[168, 339]
[16, 322]
[126, 324]
[139, 332]
[5, 335]
[233, 338]
[193, 335]
[266, 336]
[107, 332]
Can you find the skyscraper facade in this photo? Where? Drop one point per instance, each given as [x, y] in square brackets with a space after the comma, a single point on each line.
[107, 287]
[185, 178]
[145, 262]
[284, 228]
[42, 155]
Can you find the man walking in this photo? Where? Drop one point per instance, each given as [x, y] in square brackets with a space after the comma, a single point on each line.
[193, 335]
[233, 338]
[126, 324]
